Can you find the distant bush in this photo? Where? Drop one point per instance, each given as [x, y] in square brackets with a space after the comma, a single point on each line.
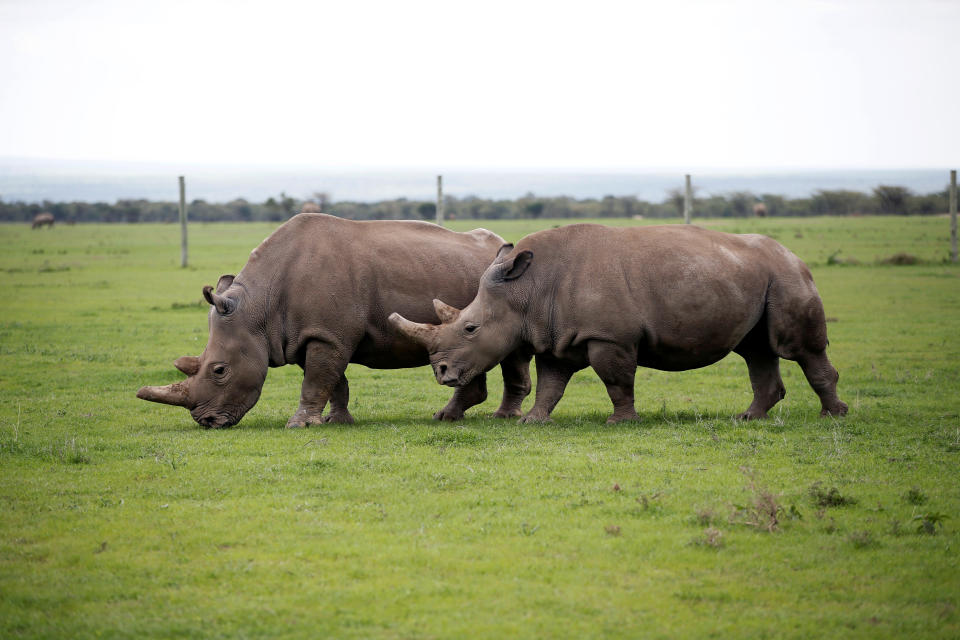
[885, 199]
[839, 202]
[900, 259]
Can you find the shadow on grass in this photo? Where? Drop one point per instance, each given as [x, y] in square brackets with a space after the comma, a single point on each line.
[688, 420]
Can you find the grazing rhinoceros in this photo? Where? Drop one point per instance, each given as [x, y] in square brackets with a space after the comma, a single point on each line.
[42, 219]
[317, 293]
[665, 297]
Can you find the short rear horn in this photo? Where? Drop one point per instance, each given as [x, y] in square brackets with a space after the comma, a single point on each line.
[445, 312]
[189, 365]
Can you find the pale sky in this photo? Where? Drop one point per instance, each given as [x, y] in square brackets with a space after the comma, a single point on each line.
[418, 84]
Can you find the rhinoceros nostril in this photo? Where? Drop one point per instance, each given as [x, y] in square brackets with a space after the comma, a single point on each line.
[442, 369]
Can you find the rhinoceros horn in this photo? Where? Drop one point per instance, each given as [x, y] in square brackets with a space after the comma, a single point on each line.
[445, 312]
[188, 365]
[419, 333]
[175, 394]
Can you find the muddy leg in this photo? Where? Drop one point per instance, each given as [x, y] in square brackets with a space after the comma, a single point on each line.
[823, 378]
[516, 384]
[323, 367]
[768, 389]
[552, 378]
[617, 367]
[338, 403]
[463, 398]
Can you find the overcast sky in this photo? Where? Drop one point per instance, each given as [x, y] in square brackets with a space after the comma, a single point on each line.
[514, 84]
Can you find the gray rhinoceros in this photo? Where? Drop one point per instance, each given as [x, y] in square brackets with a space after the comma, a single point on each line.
[316, 293]
[667, 297]
[43, 219]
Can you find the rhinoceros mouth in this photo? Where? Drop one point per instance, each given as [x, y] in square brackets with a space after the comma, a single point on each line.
[455, 379]
[216, 421]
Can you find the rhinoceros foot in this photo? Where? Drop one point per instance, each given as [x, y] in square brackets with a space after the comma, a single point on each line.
[303, 418]
[839, 409]
[338, 417]
[535, 418]
[448, 413]
[506, 413]
[630, 416]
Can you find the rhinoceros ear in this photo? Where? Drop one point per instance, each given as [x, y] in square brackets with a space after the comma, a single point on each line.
[223, 304]
[422, 334]
[516, 266]
[504, 250]
[188, 365]
[224, 283]
[445, 312]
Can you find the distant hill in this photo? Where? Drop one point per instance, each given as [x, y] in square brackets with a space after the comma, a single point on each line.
[37, 180]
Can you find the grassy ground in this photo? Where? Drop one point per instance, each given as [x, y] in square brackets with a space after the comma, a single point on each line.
[124, 518]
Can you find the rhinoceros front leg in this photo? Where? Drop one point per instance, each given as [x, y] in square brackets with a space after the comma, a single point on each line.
[516, 384]
[339, 412]
[463, 398]
[323, 367]
[553, 375]
[617, 368]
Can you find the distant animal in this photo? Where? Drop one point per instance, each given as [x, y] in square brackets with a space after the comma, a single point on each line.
[42, 219]
[673, 297]
[316, 293]
[311, 207]
[760, 210]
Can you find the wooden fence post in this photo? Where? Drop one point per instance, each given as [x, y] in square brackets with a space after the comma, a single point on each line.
[687, 201]
[953, 215]
[183, 224]
[440, 200]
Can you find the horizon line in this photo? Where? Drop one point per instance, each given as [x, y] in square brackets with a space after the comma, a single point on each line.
[101, 163]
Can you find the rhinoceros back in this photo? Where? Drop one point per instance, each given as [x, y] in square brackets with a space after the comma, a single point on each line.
[684, 296]
[326, 278]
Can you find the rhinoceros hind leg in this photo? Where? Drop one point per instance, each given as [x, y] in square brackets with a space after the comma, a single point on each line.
[823, 378]
[617, 368]
[764, 367]
[339, 413]
[553, 375]
[799, 332]
[463, 398]
[516, 384]
[323, 367]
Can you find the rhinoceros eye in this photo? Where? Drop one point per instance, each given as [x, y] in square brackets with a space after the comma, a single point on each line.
[471, 328]
[219, 370]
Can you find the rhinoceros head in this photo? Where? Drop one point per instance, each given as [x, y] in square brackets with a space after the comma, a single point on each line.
[476, 339]
[224, 382]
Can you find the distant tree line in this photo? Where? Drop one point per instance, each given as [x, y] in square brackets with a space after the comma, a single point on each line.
[883, 200]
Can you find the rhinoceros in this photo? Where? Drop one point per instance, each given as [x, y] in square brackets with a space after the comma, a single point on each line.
[316, 293]
[672, 297]
[42, 219]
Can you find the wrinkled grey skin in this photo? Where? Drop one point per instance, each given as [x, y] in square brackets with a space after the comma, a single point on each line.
[667, 297]
[315, 293]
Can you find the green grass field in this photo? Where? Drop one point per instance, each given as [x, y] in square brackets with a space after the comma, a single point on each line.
[122, 518]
